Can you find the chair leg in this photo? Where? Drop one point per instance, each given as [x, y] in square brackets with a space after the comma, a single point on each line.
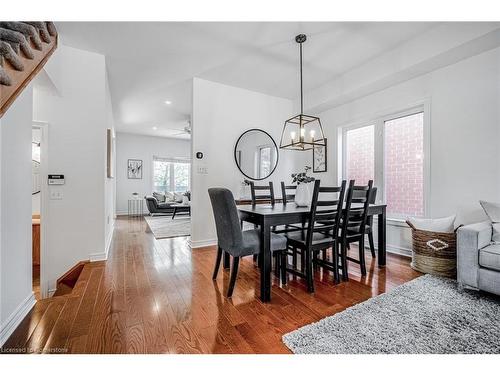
[302, 261]
[372, 244]
[283, 265]
[226, 260]
[277, 262]
[335, 255]
[217, 263]
[255, 257]
[343, 260]
[362, 262]
[234, 273]
[294, 258]
[309, 272]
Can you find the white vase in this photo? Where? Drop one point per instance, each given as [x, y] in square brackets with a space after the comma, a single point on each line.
[303, 194]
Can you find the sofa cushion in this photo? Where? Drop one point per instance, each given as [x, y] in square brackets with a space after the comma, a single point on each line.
[493, 211]
[159, 197]
[489, 257]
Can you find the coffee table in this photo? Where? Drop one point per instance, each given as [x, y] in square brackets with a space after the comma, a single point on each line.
[181, 208]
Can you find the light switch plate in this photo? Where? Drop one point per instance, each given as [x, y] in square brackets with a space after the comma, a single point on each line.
[56, 195]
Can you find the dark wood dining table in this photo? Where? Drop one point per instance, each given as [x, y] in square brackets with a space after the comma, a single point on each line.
[267, 216]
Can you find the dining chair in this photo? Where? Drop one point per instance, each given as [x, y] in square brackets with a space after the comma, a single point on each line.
[231, 238]
[369, 222]
[354, 220]
[287, 198]
[321, 233]
[255, 189]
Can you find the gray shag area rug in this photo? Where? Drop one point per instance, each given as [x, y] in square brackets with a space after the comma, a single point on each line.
[428, 315]
[165, 227]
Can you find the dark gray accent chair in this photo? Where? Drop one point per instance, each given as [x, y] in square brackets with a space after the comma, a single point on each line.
[232, 240]
[158, 208]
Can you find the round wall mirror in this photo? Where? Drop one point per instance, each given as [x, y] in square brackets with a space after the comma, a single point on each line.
[256, 154]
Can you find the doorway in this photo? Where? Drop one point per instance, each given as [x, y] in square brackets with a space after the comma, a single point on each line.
[38, 193]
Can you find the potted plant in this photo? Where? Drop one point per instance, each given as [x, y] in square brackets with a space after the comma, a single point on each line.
[305, 187]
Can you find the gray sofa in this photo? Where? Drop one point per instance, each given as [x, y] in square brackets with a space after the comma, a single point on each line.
[158, 208]
[478, 259]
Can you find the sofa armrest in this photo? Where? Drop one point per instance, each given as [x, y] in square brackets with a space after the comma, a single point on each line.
[470, 239]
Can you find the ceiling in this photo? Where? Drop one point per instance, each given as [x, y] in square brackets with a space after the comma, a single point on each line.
[154, 62]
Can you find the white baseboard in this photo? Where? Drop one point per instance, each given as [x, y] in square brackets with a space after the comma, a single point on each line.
[96, 257]
[125, 213]
[16, 318]
[202, 243]
[399, 251]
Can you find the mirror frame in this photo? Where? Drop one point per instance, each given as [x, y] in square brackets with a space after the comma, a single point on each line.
[275, 145]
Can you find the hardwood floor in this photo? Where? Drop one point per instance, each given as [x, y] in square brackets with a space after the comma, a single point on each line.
[157, 296]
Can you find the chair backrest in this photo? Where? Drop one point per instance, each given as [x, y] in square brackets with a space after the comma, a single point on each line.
[355, 217]
[326, 211]
[287, 197]
[227, 221]
[256, 195]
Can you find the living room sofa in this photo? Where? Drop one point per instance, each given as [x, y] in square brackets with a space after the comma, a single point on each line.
[155, 207]
[478, 259]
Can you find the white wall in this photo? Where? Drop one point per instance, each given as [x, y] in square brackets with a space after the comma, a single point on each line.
[221, 114]
[133, 146]
[16, 294]
[464, 134]
[109, 183]
[74, 106]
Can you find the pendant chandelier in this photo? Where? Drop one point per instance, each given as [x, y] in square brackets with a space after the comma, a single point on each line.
[302, 132]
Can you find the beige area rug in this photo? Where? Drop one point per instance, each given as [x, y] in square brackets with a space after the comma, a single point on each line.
[165, 227]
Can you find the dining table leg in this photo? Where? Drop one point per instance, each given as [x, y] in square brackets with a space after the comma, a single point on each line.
[382, 229]
[265, 269]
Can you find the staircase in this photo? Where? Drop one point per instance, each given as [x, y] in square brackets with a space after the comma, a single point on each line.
[25, 47]
[59, 324]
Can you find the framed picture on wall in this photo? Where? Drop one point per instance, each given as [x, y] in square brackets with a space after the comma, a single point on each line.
[135, 169]
[319, 158]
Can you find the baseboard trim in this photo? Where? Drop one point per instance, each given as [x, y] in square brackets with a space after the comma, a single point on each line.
[16, 318]
[97, 257]
[399, 251]
[202, 243]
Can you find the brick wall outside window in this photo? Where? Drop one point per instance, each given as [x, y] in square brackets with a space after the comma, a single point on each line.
[404, 165]
[360, 156]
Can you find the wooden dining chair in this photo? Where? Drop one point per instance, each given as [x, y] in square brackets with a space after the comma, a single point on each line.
[287, 198]
[321, 233]
[231, 239]
[256, 189]
[369, 222]
[354, 220]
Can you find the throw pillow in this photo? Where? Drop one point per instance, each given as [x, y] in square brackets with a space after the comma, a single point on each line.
[178, 197]
[493, 211]
[169, 197]
[185, 200]
[159, 197]
[443, 225]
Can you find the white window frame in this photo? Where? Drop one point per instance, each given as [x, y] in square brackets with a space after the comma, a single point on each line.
[169, 160]
[379, 149]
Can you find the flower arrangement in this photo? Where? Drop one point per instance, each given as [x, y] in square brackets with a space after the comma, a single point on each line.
[302, 177]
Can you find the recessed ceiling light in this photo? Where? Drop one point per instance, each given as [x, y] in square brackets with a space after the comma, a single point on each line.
[155, 128]
[168, 102]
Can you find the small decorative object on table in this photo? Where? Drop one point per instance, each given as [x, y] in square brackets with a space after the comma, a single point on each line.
[303, 194]
[434, 246]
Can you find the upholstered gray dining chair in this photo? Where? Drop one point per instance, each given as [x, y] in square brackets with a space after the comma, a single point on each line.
[231, 238]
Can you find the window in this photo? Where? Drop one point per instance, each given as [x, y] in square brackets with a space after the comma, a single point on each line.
[170, 175]
[404, 165]
[264, 161]
[390, 151]
[360, 157]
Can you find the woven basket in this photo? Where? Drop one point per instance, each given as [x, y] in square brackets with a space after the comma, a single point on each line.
[434, 252]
